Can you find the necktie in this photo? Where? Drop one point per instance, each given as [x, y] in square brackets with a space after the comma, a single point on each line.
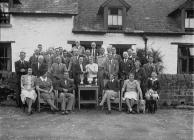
[65, 82]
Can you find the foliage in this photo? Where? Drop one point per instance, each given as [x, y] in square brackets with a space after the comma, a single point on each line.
[156, 54]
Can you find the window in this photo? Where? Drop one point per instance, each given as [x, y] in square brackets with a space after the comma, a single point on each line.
[5, 57]
[185, 59]
[4, 13]
[189, 19]
[115, 18]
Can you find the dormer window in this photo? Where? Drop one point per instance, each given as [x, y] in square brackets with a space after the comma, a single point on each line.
[189, 19]
[4, 13]
[115, 18]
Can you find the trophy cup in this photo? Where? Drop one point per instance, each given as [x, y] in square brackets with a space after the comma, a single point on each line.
[90, 80]
[82, 79]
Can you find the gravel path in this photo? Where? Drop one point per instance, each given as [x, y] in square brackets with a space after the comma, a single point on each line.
[96, 125]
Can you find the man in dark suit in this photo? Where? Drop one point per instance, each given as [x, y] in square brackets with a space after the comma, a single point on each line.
[111, 92]
[21, 68]
[126, 66]
[34, 58]
[79, 69]
[39, 68]
[94, 51]
[115, 55]
[65, 88]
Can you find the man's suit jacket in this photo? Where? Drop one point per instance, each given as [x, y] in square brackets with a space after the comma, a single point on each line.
[112, 85]
[149, 68]
[43, 68]
[19, 66]
[69, 85]
[57, 70]
[77, 71]
[33, 59]
[111, 67]
[117, 57]
[125, 68]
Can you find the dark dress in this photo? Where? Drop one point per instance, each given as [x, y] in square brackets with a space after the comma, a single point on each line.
[46, 85]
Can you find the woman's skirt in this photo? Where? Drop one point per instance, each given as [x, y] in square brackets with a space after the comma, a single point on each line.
[28, 94]
[130, 95]
[47, 96]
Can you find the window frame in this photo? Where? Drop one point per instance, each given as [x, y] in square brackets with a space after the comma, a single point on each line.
[5, 16]
[183, 13]
[187, 58]
[114, 28]
[7, 58]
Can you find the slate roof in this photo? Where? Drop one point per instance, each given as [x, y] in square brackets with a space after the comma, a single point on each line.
[46, 7]
[143, 16]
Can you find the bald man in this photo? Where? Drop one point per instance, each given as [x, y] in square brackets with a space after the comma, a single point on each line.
[39, 68]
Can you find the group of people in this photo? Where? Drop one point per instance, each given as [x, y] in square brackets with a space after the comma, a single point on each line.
[62, 70]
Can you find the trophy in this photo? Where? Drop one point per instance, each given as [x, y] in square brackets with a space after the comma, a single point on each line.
[90, 80]
[82, 79]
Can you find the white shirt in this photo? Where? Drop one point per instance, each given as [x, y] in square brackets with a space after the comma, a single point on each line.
[81, 66]
[92, 70]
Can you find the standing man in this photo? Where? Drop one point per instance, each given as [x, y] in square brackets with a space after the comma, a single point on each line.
[100, 60]
[130, 52]
[81, 49]
[34, 58]
[126, 66]
[57, 70]
[66, 87]
[115, 55]
[94, 52]
[39, 48]
[150, 67]
[80, 69]
[92, 69]
[111, 66]
[21, 68]
[39, 68]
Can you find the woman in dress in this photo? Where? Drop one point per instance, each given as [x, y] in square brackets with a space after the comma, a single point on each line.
[132, 91]
[28, 94]
[45, 87]
[140, 75]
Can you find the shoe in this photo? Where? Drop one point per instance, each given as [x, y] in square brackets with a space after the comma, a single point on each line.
[66, 112]
[128, 111]
[109, 112]
[53, 112]
[133, 112]
[69, 111]
[63, 112]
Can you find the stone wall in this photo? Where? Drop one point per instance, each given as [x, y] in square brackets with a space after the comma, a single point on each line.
[176, 89]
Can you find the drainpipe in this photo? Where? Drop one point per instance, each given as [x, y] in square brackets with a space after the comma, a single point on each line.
[145, 38]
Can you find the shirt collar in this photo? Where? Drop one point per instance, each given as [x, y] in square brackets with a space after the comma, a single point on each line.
[43, 79]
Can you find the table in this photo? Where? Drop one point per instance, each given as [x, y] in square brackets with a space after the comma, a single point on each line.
[88, 87]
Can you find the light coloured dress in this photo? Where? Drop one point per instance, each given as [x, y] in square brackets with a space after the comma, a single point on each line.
[28, 82]
[130, 89]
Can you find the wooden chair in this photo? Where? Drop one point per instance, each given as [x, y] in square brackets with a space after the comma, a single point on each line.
[41, 101]
[117, 100]
[58, 99]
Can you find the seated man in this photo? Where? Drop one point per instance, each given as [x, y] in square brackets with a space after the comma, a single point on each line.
[111, 91]
[92, 70]
[66, 87]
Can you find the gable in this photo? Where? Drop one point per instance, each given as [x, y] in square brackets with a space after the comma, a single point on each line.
[143, 16]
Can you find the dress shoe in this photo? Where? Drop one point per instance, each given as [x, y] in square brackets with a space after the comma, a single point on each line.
[109, 112]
